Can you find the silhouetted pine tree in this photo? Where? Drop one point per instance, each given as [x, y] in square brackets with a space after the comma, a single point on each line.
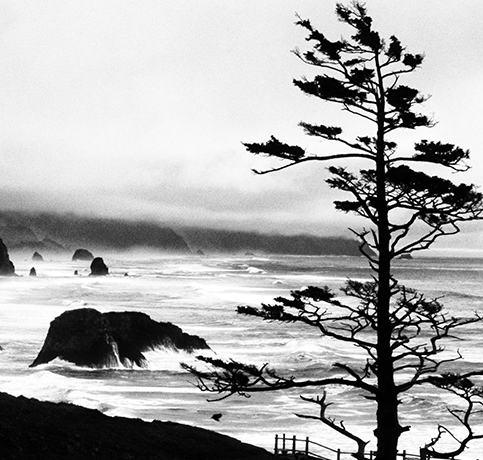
[406, 210]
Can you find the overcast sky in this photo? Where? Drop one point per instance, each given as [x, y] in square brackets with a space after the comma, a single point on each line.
[138, 108]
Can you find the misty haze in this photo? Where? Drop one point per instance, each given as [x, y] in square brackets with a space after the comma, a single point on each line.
[241, 230]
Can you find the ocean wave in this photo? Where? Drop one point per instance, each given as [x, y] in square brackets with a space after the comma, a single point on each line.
[46, 385]
[184, 292]
[446, 294]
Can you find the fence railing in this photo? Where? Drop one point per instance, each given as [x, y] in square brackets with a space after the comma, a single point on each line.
[297, 448]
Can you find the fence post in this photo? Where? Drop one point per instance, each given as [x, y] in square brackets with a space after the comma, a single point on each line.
[338, 454]
[307, 446]
[404, 455]
[276, 444]
[422, 454]
[294, 441]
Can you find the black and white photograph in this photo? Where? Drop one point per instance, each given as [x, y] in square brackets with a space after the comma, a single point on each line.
[241, 230]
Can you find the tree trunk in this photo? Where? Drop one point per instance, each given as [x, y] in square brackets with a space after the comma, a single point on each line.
[388, 429]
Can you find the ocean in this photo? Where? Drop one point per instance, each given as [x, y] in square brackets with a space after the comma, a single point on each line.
[200, 294]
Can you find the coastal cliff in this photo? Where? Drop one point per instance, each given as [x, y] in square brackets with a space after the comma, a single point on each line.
[54, 233]
[213, 240]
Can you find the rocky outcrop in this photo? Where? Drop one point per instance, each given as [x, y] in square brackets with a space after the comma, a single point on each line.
[98, 267]
[33, 430]
[87, 337]
[33, 272]
[6, 266]
[406, 257]
[82, 254]
[37, 257]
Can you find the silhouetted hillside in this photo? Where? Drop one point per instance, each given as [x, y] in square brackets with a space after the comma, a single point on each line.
[34, 430]
[52, 232]
[209, 240]
[37, 231]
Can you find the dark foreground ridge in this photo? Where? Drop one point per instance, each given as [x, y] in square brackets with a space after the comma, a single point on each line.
[30, 429]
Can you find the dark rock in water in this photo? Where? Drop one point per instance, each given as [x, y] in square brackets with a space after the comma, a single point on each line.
[37, 257]
[76, 272]
[406, 257]
[87, 337]
[33, 272]
[6, 266]
[199, 252]
[98, 267]
[83, 254]
[33, 430]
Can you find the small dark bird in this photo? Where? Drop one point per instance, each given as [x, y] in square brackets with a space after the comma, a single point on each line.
[216, 417]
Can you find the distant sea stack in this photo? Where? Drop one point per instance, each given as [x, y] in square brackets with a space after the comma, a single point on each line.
[37, 257]
[98, 267]
[6, 266]
[82, 254]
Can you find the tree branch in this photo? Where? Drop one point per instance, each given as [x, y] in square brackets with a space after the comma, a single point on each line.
[331, 423]
[339, 156]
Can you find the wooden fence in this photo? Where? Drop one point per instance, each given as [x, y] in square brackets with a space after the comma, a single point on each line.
[300, 449]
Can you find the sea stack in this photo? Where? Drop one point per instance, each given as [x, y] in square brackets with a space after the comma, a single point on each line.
[37, 257]
[82, 254]
[89, 338]
[6, 266]
[98, 267]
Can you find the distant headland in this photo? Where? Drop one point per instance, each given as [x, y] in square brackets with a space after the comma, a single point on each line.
[49, 232]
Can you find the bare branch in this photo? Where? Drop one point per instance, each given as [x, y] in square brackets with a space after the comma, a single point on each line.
[331, 423]
[339, 156]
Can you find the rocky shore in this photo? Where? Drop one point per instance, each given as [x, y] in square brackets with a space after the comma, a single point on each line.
[30, 429]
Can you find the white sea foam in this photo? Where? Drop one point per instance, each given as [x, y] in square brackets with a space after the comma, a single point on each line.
[45, 386]
[255, 271]
[200, 295]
